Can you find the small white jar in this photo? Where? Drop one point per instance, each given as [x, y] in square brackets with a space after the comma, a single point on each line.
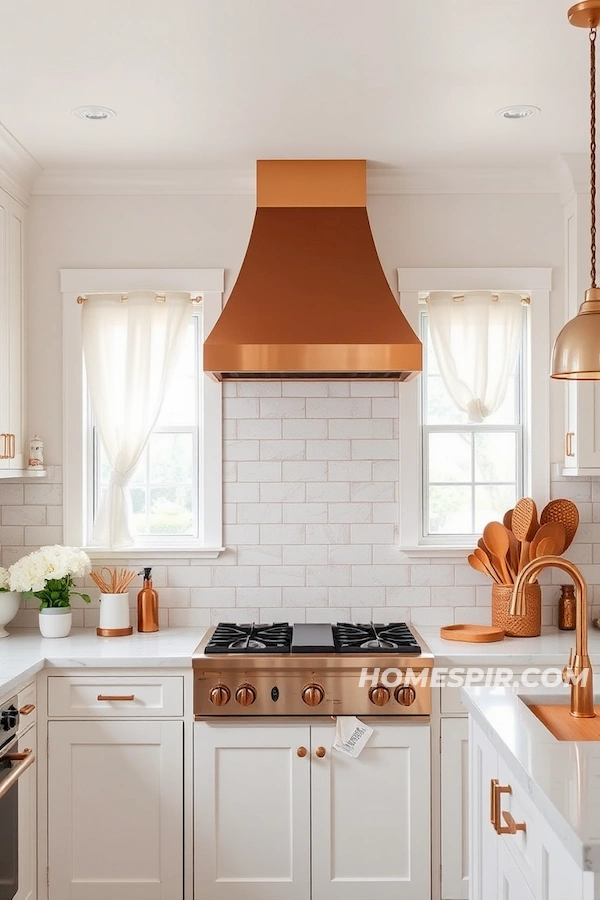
[55, 621]
[114, 615]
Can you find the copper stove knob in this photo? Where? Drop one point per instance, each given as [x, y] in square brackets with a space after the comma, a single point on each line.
[406, 695]
[379, 695]
[220, 695]
[313, 694]
[245, 695]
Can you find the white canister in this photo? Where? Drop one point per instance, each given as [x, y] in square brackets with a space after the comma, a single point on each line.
[36, 453]
[114, 615]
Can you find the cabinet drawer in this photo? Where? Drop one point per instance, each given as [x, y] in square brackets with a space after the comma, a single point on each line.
[451, 702]
[27, 706]
[115, 697]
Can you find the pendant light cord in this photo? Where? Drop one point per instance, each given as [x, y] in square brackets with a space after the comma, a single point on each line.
[593, 153]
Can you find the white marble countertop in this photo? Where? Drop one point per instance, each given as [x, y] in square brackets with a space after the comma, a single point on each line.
[562, 778]
[551, 648]
[25, 652]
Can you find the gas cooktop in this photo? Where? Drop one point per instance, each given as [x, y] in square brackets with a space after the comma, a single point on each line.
[281, 638]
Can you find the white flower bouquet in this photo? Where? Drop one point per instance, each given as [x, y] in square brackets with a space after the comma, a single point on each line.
[4, 579]
[48, 574]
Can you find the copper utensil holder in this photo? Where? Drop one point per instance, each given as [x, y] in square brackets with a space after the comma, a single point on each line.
[529, 625]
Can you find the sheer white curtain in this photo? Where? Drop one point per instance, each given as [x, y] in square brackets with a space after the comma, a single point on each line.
[130, 345]
[476, 339]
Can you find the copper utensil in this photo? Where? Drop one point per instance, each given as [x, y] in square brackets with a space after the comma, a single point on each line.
[552, 531]
[481, 562]
[524, 526]
[496, 540]
[565, 512]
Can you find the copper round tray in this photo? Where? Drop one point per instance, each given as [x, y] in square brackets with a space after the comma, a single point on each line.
[477, 634]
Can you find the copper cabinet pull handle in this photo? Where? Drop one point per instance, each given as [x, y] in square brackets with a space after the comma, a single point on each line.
[116, 697]
[496, 802]
[13, 446]
[5, 446]
[569, 443]
[320, 751]
[301, 751]
[511, 826]
[27, 709]
[25, 759]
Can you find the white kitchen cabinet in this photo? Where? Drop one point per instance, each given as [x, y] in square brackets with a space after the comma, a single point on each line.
[12, 389]
[511, 881]
[27, 822]
[251, 811]
[454, 808]
[531, 864]
[259, 808]
[115, 810]
[371, 816]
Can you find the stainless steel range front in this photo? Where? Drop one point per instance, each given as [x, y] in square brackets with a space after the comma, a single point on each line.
[308, 670]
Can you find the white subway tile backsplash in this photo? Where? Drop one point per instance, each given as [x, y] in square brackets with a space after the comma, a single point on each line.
[311, 521]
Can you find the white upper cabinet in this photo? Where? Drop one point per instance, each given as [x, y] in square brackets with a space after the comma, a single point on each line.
[12, 419]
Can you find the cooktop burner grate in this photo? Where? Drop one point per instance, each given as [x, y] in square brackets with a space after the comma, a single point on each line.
[393, 638]
[229, 638]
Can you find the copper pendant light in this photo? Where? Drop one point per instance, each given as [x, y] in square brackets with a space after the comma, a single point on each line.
[576, 353]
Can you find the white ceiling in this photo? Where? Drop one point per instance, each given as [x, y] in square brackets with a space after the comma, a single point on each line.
[220, 83]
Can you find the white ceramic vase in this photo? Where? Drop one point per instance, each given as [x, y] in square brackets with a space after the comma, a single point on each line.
[9, 604]
[114, 615]
[55, 621]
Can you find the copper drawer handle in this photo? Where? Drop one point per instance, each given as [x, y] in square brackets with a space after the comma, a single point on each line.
[5, 454]
[320, 751]
[27, 709]
[301, 751]
[25, 759]
[116, 697]
[496, 801]
[13, 446]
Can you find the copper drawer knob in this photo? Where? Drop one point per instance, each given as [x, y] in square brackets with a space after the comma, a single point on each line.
[27, 709]
[301, 751]
[320, 751]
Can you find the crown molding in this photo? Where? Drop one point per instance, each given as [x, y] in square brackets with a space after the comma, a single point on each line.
[572, 173]
[380, 181]
[18, 168]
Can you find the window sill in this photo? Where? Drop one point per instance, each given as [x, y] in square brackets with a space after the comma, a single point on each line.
[438, 551]
[140, 555]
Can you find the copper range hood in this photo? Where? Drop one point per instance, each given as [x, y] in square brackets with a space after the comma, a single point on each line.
[311, 300]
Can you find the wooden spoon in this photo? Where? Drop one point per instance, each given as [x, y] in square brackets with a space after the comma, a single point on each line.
[507, 520]
[480, 565]
[496, 540]
[553, 531]
[513, 553]
[565, 512]
[481, 547]
[545, 547]
[524, 526]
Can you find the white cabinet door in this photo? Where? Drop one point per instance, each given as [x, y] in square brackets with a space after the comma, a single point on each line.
[455, 809]
[11, 332]
[512, 884]
[27, 823]
[251, 811]
[483, 840]
[371, 816]
[115, 810]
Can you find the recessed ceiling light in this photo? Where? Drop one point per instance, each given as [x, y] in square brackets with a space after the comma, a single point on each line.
[94, 113]
[518, 112]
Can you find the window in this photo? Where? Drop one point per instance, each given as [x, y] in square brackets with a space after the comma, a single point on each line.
[456, 475]
[472, 473]
[176, 486]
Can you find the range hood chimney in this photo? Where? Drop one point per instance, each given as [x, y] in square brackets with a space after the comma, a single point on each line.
[311, 300]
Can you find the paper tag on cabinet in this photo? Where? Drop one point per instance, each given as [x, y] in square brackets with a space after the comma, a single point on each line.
[351, 735]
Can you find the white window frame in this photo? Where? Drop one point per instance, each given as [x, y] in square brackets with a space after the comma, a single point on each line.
[205, 283]
[536, 283]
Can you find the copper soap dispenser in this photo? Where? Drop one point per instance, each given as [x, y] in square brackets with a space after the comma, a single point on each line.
[147, 605]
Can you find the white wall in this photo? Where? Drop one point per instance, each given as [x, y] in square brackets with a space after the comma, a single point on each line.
[346, 568]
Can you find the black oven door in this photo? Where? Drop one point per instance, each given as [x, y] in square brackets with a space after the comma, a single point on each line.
[9, 835]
